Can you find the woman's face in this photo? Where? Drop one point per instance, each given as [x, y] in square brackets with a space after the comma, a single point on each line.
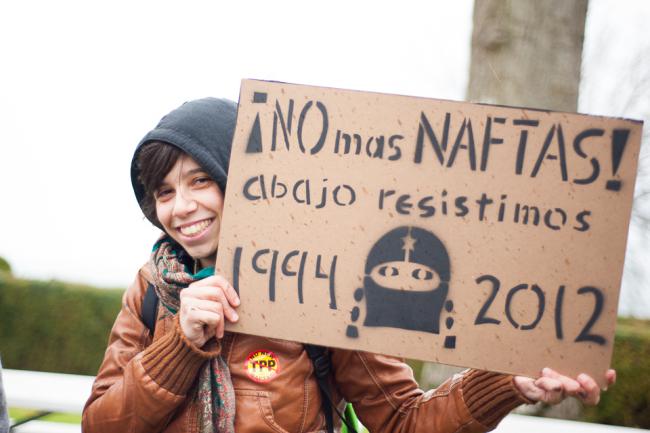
[189, 205]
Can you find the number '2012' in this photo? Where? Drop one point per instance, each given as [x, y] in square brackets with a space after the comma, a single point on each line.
[586, 335]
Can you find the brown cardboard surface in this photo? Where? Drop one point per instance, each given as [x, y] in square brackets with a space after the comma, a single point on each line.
[467, 234]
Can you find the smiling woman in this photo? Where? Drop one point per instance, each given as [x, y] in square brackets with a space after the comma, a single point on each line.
[189, 374]
[186, 203]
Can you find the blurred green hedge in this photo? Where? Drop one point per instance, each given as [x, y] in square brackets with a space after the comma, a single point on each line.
[5, 266]
[628, 402]
[54, 326]
[61, 327]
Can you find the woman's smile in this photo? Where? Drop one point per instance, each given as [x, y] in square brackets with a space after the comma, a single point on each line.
[195, 229]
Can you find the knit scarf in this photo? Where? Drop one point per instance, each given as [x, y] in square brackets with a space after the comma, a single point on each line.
[215, 395]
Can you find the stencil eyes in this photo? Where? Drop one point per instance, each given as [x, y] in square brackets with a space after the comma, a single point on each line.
[407, 276]
[422, 274]
[392, 271]
[388, 271]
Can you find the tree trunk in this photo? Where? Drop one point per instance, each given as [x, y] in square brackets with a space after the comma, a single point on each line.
[527, 53]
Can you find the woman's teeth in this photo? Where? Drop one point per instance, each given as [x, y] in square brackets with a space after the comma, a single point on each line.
[195, 228]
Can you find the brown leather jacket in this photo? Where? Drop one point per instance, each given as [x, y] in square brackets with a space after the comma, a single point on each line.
[147, 385]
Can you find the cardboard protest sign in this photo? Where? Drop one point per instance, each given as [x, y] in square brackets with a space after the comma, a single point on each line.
[467, 234]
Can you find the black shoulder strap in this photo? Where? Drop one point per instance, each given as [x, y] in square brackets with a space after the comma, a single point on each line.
[322, 367]
[150, 308]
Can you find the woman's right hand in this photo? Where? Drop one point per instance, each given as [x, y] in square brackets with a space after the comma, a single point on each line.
[204, 304]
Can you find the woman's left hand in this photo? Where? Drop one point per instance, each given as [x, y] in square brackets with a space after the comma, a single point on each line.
[552, 387]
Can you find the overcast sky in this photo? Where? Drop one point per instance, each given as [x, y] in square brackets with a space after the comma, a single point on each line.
[81, 82]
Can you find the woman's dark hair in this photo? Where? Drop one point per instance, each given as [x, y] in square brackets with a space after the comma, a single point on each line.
[155, 160]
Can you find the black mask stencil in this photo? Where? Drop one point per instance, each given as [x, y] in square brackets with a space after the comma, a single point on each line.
[406, 282]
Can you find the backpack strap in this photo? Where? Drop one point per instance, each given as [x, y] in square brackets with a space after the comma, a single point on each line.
[149, 311]
[322, 368]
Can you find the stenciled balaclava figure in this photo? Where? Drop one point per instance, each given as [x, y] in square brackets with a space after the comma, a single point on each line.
[406, 281]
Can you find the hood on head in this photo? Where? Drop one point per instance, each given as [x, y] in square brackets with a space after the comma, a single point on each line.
[203, 129]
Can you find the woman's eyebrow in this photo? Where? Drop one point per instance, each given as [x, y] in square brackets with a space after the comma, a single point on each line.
[163, 184]
[195, 170]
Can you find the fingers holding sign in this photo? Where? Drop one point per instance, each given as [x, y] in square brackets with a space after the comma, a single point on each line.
[591, 394]
[205, 305]
[553, 387]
